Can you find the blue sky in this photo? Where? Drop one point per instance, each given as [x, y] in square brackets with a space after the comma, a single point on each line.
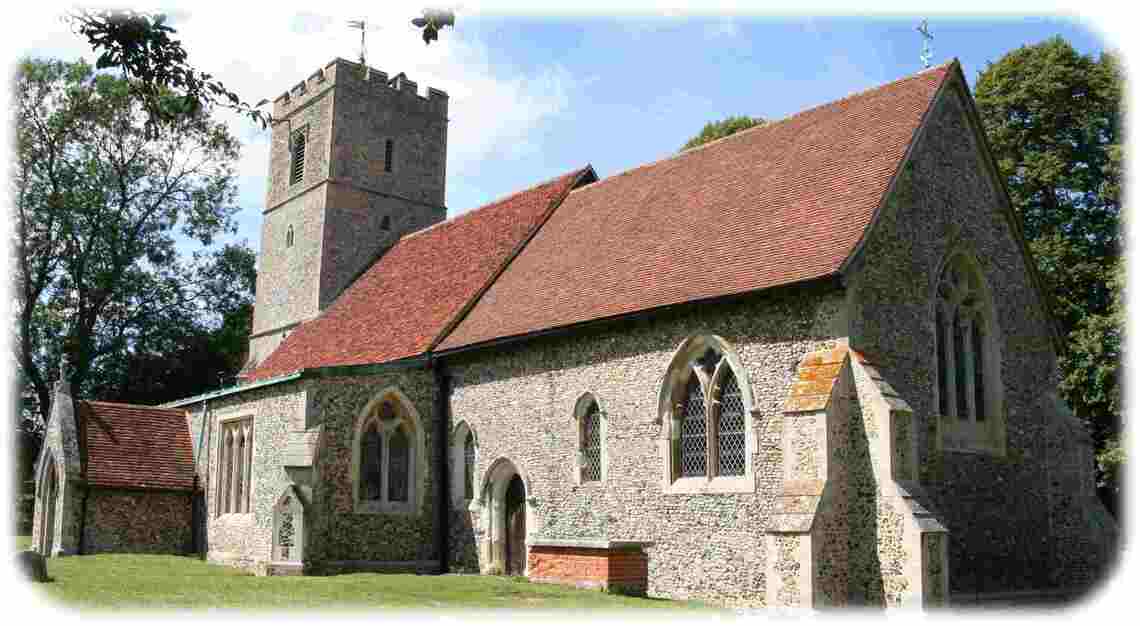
[535, 96]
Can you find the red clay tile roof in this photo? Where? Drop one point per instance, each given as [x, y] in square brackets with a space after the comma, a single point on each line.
[407, 299]
[773, 205]
[128, 445]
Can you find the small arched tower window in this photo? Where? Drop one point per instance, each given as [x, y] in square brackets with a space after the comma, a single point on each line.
[968, 392]
[289, 236]
[297, 155]
[705, 406]
[389, 154]
[386, 223]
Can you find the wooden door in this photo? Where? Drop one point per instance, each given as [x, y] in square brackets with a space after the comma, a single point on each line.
[516, 527]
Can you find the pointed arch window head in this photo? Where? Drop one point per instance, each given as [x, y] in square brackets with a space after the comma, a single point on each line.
[388, 447]
[469, 466]
[967, 384]
[708, 413]
[235, 465]
[590, 422]
[289, 236]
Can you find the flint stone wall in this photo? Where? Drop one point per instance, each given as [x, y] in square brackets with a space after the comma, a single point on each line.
[149, 522]
[999, 510]
[336, 538]
[520, 402]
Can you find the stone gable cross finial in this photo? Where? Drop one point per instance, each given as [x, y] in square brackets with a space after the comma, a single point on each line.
[927, 52]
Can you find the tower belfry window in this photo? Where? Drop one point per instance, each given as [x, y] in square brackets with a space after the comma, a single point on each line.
[389, 148]
[297, 162]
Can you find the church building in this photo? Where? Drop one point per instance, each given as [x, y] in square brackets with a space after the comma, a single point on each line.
[807, 365]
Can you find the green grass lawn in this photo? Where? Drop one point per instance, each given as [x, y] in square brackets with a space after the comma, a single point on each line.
[114, 581]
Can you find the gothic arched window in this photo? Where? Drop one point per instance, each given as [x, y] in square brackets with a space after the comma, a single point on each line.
[235, 465]
[591, 446]
[289, 236]
[469, 466]
[464, 448]
[967, 380]
[387, 449]
[708, 409]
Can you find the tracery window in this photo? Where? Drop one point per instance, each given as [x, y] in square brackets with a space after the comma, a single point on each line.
[386, 454]
[967, 381]
[235, 457]
[708, 411]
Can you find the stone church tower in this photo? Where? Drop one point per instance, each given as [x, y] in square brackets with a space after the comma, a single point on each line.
[356, 161]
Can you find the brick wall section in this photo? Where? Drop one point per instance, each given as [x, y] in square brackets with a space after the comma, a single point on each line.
[595, 568]
[150, 522]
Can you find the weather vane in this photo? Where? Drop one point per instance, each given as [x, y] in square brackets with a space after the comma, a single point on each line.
[926, 39]
[363, 27]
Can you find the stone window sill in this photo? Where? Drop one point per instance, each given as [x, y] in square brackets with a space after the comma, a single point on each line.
[383, 508]
[235, 516]
[718, 484]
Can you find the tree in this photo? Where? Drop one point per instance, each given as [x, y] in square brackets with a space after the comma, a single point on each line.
[156, 66]
[99, 199]
[1052, 117]
[718, 130]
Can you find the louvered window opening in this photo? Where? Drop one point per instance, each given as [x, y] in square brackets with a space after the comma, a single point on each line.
[297, 165]
[731, 447]
[389, 153]
[592, 444]
[469, 467]
[694, 439]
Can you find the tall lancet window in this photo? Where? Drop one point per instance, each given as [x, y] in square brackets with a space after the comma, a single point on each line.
[235, 463]
[967, 382]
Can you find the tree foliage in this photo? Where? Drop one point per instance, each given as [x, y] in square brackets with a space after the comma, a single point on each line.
[1053, 119]
[718, 130]
[156, 65]
[101, 202]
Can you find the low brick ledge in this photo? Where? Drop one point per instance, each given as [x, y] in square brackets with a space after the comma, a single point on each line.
[615, 565]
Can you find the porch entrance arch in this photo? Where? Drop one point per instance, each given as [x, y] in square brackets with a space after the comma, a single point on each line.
[507, 516]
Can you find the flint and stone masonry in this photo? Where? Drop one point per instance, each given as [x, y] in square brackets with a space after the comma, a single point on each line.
[855, 490]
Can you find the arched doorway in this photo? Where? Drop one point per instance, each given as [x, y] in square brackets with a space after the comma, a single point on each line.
[505, 515]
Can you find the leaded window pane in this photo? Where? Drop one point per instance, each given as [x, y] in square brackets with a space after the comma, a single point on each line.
[469, 467]
[227, 469]
[398, 466]
[592, 444]
[979, 373]
[694, 451]
[370, 467]
[940, 359]
[960, 366]
[240, 478]
[731, 447]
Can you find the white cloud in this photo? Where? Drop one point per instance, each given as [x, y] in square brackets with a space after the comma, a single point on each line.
[495, 110]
